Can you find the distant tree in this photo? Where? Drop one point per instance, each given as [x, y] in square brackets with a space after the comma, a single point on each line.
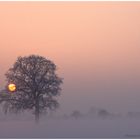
[133, 114]
[37, 85]
[76, 114]
[103, 113]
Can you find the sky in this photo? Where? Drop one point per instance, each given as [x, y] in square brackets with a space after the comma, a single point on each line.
[95, 46]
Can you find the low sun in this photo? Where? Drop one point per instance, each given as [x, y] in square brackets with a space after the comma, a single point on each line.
[12, 87]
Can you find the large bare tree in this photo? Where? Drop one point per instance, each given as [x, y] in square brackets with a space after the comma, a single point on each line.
[37, 86]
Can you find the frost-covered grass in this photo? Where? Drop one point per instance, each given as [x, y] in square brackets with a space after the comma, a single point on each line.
[71, 128]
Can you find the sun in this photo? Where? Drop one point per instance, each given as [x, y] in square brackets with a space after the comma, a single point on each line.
[12, 87]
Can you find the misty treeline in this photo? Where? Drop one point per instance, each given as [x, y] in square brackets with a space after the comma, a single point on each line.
[95, 113]
[91, 113]
[36, 86]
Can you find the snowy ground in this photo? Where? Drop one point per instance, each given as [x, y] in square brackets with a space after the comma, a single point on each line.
[70, 128]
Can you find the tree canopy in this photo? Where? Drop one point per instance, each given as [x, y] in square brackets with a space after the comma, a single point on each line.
[37, 85]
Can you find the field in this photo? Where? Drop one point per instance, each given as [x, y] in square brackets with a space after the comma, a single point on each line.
[71, 128]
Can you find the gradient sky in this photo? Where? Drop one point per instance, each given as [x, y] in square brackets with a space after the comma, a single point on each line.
[96, 46]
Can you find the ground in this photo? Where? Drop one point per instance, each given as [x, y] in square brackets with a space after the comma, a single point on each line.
[71, 128]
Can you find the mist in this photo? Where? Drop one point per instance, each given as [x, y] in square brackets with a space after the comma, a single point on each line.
[95, 46]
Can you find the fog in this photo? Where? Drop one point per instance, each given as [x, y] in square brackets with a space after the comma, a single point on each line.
[121, 127]
[95, 46]
[92, 124]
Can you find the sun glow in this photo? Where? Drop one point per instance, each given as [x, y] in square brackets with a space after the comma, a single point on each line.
[12, 87]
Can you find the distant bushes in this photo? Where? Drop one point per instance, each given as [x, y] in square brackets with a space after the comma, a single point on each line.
[93, 113]
[133, 114]
[96, 113]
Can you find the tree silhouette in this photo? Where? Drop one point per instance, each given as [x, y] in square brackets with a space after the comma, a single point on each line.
[76, 114]
[37, 85]
[103, 113]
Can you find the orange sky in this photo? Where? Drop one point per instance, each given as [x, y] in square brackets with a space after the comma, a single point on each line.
[96, 46]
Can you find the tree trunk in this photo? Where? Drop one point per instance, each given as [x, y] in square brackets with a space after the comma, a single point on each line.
[37, 111]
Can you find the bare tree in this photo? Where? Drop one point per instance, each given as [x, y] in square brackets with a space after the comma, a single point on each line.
[37, 85]
[103, 113]
[76, 114]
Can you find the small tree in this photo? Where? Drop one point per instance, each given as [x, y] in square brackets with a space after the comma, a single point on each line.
[37, 85]
[103, 113]
[76, 114]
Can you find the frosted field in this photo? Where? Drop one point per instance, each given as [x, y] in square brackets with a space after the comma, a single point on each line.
[95, 128]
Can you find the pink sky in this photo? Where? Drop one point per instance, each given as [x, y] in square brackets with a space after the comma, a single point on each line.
[96, 46]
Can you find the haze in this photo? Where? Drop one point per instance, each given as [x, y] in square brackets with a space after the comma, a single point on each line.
[95, 45]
